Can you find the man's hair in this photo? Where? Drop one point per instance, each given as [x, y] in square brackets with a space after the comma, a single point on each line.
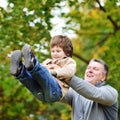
[63, 42]
[106, 70]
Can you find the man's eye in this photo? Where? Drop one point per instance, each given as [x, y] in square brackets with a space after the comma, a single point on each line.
[88, 67]
[96, 69]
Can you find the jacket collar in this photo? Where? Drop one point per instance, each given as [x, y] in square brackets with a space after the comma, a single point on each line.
[99, 84]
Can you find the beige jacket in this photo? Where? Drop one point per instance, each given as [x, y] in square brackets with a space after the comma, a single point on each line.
[65, 72]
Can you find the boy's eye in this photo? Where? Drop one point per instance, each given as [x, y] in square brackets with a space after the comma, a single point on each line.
[58, 50]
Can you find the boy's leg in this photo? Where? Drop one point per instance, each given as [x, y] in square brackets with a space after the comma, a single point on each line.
[18, 70]
[50, 87]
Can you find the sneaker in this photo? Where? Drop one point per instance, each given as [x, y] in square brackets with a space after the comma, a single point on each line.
[28, 57]
[16, 62]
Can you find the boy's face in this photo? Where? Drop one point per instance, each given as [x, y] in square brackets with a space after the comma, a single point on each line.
[57, 52]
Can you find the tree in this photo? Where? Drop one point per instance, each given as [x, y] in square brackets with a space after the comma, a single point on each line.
[97, 31]
[23, 22]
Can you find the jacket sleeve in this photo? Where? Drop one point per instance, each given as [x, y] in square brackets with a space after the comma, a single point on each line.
[67, 70]
[105, 95]
[47, 61]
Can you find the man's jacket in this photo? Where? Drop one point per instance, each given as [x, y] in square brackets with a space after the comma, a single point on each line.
[91, 102]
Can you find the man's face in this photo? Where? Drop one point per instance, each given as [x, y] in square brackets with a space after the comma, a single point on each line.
[95, 73]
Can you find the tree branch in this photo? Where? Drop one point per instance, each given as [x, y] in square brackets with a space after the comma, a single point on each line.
[94, 33]
[116, 27]
[81, 58]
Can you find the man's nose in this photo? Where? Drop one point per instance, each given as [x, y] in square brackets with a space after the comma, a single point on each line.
[90, 70]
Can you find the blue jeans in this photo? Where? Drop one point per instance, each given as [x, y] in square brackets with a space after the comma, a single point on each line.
[40, 83]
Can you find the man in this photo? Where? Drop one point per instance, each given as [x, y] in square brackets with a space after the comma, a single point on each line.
[91, 99]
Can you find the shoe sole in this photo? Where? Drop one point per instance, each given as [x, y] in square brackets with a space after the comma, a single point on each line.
[26, 54]
[16, 57]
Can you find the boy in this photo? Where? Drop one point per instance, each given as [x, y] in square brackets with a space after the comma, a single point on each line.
[45, 80]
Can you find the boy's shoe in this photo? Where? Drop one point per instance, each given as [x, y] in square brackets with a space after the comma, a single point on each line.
[29, 58]
[16, 62]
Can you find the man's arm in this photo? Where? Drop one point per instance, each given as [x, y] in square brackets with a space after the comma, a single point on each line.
[105, 95]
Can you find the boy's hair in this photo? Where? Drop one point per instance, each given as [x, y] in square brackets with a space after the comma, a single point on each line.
[63, 42]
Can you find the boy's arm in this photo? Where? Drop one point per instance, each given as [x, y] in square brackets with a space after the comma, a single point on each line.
[64, 71]
[67, 70]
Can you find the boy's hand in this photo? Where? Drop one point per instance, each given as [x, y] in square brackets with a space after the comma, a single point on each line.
[52, 66]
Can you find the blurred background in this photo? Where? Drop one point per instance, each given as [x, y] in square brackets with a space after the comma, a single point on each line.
[92, 25]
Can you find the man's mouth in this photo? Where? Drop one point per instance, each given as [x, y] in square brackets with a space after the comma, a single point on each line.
[90, 76]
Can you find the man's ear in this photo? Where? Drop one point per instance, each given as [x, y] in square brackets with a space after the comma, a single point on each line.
[103, 77]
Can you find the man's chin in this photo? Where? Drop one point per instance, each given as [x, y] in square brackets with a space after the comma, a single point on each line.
[89, 80]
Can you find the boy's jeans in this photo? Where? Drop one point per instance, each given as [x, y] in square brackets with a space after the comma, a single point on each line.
[40, 83]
